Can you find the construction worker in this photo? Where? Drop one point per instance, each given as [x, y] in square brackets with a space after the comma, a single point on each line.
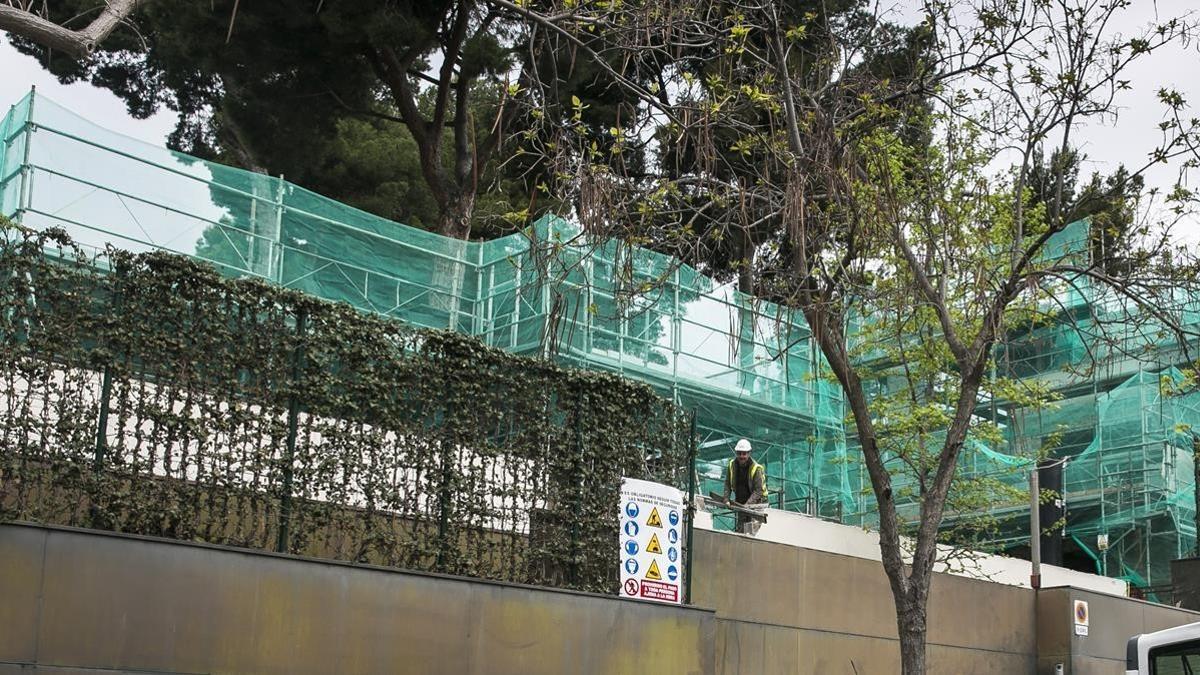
[746, 479]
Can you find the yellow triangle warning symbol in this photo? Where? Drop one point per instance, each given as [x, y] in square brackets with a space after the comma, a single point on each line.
[654, 520]
[653, 546]
[653, 574]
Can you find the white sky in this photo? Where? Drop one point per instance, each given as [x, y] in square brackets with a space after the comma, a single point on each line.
[1135, 132]
[1126, 140]
[19, 72]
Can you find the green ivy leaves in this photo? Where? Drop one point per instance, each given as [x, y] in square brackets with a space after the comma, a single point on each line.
[240, 413]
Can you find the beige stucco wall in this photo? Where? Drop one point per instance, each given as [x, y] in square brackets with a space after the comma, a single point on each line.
[787, 609]
[1112, 621]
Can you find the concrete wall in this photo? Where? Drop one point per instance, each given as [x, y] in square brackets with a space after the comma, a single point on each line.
[1185, 580]
[799, 610]
[1112, 621]
[798, 529]
[787, 609]
[76, 601]
[71, 600]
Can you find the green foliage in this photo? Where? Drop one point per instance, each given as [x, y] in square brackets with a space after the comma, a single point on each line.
[319, 95]
[240, 413]
[940, 193]
[373, 165]
[1110, 203]
[348, 100]
[744, 149]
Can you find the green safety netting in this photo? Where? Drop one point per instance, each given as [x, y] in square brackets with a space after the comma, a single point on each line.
[747, 367]
[1136, 477]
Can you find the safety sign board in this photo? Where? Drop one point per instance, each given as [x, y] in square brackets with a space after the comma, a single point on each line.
[1081, 617]
[651, 517]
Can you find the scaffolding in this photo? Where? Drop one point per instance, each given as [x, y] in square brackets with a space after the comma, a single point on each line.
[1125, 420]
[747, 367]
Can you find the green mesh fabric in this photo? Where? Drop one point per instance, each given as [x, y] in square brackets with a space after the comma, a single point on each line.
[747, 367]
[1124, 424]
[12, 154]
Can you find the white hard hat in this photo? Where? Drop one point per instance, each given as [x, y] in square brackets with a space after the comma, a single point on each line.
[742, 446]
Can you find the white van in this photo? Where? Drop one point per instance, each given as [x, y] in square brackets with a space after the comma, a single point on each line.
[1174, 651]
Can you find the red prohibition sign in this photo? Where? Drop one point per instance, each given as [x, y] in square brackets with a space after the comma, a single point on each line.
[631, 587]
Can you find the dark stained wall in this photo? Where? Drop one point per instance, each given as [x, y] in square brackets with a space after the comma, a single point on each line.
[114, 603]
[76, 601]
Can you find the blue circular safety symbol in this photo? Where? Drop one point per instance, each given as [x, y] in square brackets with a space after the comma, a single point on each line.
[631, 509]
[672, 554]
[631, 565]
[631, 547]
[672, 535]
[672, 573]
[673, 517]
[631, 528]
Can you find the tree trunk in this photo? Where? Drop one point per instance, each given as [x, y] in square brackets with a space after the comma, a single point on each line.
[455, 218]
[1196, 483]
[455, 223]
[745, 304]
[265, 217]
[911, 623]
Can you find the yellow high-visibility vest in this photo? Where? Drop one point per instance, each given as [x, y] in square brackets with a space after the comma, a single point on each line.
[755, 468]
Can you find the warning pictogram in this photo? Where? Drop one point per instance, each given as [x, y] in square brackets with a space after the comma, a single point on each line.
[654, 520]
[653, 574]
[653, 546]
[631, 586]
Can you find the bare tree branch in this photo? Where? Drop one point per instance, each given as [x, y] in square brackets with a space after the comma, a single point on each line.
[78, 44]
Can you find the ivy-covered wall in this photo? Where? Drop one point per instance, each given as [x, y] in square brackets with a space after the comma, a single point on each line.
[148, 394]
